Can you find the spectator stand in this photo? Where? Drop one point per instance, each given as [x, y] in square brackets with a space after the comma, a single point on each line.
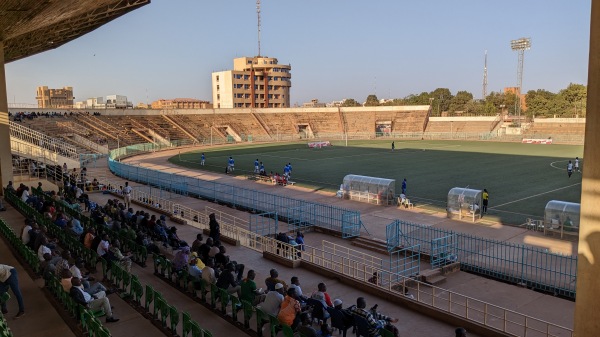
[373, 190]
[464, 203]
[562, 217]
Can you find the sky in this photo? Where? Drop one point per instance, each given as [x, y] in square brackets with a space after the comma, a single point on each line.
[337, 48]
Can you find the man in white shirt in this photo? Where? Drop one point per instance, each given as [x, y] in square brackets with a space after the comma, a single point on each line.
[295, 283]
[25, 232]
[91, 289]
[208, 273]
[94, 302]
[273, 300]
[43, 250]
[127, 194]
[104, 246]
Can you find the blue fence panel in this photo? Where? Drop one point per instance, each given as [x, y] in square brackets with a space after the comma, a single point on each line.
[530, 266]
[443, 251]
[326, 216]
[264, 224]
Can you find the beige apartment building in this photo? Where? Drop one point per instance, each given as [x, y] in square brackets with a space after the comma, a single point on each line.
[254, 82]
[54, 98]
[180, 103]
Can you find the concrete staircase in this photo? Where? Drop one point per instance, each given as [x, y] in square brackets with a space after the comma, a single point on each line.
[372, 244]
[438, 275]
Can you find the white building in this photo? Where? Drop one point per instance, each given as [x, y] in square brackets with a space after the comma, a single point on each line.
[108, 102]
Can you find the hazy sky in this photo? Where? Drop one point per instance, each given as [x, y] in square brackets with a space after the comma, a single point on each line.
[337, 48]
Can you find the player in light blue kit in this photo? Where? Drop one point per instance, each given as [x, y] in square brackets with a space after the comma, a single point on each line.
[231, 164]
[256, 166]
[202, 159]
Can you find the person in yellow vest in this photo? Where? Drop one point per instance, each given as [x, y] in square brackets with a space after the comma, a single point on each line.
[486, 198]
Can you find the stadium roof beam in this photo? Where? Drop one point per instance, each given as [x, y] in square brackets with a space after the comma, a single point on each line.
[29, 27]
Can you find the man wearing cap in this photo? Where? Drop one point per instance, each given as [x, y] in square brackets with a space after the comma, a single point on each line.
[346, 313]
[8, 278]
[273, 300]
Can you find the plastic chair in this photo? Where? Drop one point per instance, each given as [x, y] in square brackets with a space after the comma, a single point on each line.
[318, 311]
[362, 326]
[248, 312]
[214, 294]
[196, 331]
[174, 318]
[224, 298]
[287, 330]
[149, 298]
[261, 319]
[337, 320]
[236, 306]
[275, 325]
[186, 324]
[203, 289]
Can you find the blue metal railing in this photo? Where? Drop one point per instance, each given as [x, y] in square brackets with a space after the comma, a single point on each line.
[322, 215]
[533, 267]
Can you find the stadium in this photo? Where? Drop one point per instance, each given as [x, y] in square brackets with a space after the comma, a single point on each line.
[156, 222]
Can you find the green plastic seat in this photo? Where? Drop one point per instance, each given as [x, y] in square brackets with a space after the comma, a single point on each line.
[261, 319]
[224, 299]
[186, 324]
[196, 330]
[248, 313]
[275, 325]
[149, 298]
[203, 289]
[174, 318]
[287, 330]
[214, 294]
[236, 306]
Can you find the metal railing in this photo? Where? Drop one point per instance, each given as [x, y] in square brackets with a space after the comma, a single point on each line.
[472, 309]
[39, 139]
[352, 254]
[515, 263]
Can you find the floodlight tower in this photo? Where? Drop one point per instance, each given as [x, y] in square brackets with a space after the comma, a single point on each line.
[258, 22]
[485, 80]
[520, 45]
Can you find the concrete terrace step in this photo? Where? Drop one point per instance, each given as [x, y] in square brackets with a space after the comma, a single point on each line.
[372, 244]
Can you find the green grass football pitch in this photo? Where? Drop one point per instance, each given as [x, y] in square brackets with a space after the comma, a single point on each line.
[521, 178]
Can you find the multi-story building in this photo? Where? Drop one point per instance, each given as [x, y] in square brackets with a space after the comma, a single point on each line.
[108, 102]
[254, 82]
[180, 103]
[54, 98]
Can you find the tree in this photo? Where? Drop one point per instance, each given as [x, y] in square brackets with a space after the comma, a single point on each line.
[420, 99]
[372, 101]
[441, 100]
[458, 102]
[576, 96]
[350, 102]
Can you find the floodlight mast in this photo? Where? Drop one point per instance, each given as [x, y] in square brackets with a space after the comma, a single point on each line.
[520, 45]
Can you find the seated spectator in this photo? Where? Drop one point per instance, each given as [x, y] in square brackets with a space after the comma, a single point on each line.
[222, 259]
[272, 280]
[273, 300]
[65, 280]
[347, 316]
[104, 247]
[322, 296]
[194, 271]
[290, 308]
[63, 262]
[143, 240]
[214, 250]
[89, 237]
[90, 288]
[199, 262]
[197, 243]
[305, 327]
[204, 249]
[77, 228]
[249, 291]
[295, 283]
[182, 258]
[43, 249]
[49, 266]
[327, 330]
[174, 240]
[208, 273]
[25, 231]
[376, 320]
[460, 332]
[89, 301]
[123, 258]
[227, 281]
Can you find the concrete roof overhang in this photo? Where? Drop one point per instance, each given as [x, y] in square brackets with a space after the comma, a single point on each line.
[28, 27]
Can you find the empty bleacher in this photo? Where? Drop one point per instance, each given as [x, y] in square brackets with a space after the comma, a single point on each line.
[547, 129]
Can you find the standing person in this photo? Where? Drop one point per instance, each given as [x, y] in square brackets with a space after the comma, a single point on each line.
[65, 169]
[577, 164]
[202, 159]
[256, 166]
[231, 164]
[289, 170]
[8, 278]
[393, 146]
[570, 168]
[486, 198]
[215, 229]
[404, 186]
[262, 169]
[127, 194]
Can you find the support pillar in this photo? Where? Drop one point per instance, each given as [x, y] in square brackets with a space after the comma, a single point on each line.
[587, 304]
[6, 172]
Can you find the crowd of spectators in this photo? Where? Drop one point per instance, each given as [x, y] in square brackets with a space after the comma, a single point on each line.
[22, 115]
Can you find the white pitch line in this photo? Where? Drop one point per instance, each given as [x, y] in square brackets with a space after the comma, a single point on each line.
[558, 161]
[536, 195]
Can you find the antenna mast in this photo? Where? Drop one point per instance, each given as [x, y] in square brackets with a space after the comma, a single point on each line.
[258, 17]
[485, 80]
